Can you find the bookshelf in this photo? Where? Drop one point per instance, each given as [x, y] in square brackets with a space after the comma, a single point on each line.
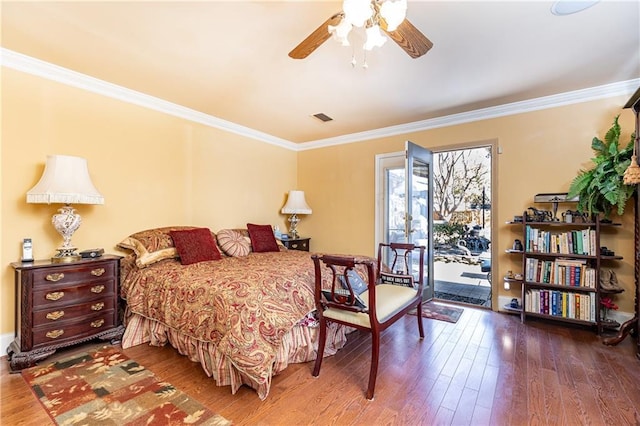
[561, 264]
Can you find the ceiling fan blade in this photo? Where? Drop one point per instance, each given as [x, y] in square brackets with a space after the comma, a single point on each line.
[409, 38]
[316, 38]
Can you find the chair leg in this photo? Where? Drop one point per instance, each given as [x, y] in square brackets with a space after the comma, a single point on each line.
[375, 354]
[321, 342]
[419, 315]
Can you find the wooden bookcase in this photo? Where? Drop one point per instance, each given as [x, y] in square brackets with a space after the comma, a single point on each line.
[560, 275]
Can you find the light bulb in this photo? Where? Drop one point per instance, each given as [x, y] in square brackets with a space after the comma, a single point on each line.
[374, 37]
[393, 13]
[357, 12]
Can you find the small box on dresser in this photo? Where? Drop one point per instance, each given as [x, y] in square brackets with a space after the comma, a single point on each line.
[63, 304]
[301, 244]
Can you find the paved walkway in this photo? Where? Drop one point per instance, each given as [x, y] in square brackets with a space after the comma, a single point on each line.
[462, 283]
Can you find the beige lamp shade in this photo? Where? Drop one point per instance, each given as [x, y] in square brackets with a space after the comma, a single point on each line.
[65, 180]
[296, 204]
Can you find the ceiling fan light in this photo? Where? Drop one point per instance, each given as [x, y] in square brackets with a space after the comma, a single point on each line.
[357, 12]
[374, 37]
[341, 32]
[393, 13]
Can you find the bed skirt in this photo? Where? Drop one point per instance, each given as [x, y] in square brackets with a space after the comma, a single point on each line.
[299, 345]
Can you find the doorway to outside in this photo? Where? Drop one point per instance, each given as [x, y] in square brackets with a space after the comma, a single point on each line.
[462, 193]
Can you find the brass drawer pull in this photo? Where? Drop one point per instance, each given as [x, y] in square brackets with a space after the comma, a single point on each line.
[55, 315]
[54, 334]
[97, 323]
[97, 272]
[56, 295]
[97, 306]
[54, 277]
[97, 289]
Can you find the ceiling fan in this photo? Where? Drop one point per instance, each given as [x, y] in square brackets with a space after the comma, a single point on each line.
[408, 37]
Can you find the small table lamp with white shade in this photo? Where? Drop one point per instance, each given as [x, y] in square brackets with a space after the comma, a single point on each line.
[296, 204]
[65, 180]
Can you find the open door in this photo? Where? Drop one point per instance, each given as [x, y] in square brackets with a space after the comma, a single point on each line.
[419, 206]
[404, 204]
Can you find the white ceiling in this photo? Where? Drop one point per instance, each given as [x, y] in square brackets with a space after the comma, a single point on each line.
[229, 59]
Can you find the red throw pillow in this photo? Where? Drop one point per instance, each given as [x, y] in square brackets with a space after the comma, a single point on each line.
[195, 245]
[262, 238]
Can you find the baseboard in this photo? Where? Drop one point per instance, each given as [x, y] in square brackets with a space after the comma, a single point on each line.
[5, 341]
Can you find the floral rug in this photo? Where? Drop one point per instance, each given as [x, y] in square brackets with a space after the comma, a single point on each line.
[440, 312]
[105, 387]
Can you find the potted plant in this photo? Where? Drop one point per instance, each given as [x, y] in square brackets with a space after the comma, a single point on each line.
[601, 188]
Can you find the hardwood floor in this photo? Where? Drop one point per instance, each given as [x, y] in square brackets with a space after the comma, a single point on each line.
[487, 369]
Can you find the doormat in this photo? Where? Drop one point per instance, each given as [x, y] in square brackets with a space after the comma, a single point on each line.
[459, 298]
[104, 386]
[440, 312]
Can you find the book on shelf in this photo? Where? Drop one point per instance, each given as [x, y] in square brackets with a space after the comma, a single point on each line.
[581, 242]
[563, 304]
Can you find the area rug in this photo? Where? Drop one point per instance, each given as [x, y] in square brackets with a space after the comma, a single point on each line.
[105, 387]
[440, 312]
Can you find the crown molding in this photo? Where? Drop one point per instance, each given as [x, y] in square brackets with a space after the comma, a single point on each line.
[577, 96]
[30, 65]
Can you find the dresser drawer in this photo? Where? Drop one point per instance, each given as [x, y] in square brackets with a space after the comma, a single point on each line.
[72, 330]
[54, 298]
[69, 275]
[62, 314]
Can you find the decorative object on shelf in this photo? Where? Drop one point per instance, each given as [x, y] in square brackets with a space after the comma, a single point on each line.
[554, 198]
[296, 204]
[65, 180]
[609, 281]
[517, 245]
[602, 188]
[606, 304]
[604, 251]
[536, 215]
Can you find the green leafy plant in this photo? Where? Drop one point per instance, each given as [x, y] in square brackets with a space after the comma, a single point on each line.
[601, 188]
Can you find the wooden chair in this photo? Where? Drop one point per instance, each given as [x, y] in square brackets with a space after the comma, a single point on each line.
[339, 299]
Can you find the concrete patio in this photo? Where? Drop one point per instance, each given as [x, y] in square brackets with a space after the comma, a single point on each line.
[461, 282]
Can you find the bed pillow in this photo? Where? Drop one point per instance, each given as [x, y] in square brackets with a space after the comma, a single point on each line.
[195, 245]
[233, 243]
[152, 245]
[262, 238]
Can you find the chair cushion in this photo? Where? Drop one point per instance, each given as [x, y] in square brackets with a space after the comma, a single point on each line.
[389, 300]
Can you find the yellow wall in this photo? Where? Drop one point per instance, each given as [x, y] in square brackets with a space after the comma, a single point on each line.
[153, 170]
[542, 151]
[158, 170]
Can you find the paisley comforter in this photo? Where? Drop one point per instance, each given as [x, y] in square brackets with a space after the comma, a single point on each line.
[241, 308]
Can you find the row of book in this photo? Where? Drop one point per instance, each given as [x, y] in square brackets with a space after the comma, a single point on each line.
[561, 304]
[569, 272]
[580, 241]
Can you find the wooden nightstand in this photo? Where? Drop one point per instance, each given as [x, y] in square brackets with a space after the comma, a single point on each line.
[62, 304]
[301, 244]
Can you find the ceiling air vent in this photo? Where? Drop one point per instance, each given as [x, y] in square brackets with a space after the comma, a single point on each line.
[322, 117]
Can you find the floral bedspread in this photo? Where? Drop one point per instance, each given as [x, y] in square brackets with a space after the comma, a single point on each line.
[244, 305]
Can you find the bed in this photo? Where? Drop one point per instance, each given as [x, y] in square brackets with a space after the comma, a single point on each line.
[244, 314]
